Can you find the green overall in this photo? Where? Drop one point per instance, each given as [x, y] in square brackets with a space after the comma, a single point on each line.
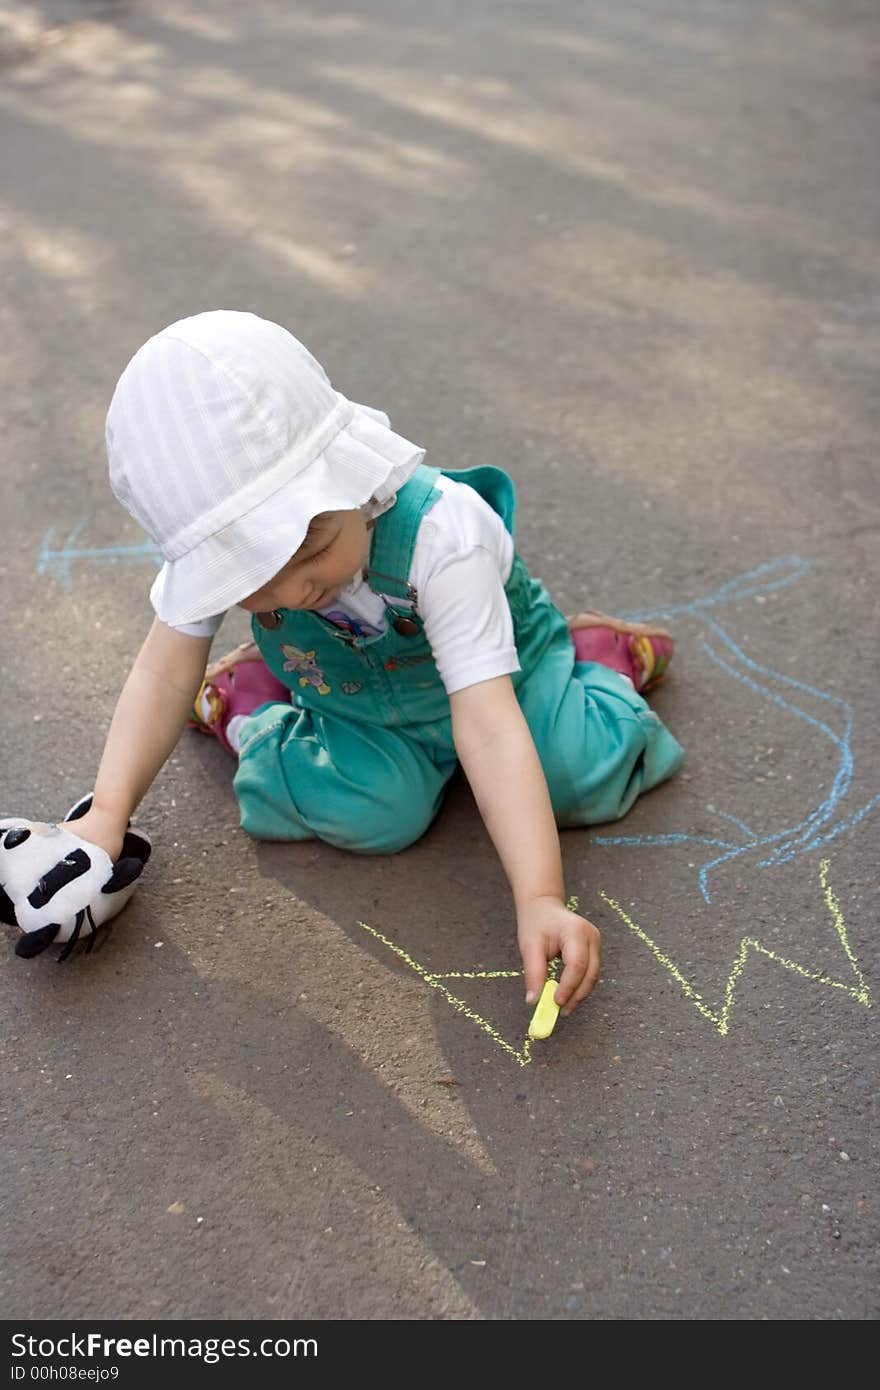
[362, 754]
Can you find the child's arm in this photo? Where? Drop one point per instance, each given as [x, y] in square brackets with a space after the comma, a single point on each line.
[150, 716]
[499, 757]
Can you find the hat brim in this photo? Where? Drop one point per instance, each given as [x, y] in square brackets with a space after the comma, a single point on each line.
[360, 461]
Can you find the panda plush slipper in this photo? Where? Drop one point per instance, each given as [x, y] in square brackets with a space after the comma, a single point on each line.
[56, 887]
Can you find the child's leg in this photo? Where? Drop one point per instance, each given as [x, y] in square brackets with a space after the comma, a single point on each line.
[304, 775]
[600, 744]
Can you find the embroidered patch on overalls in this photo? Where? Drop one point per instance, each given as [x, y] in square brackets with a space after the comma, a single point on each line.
[304, 663]
[352, 687]
[357, 627]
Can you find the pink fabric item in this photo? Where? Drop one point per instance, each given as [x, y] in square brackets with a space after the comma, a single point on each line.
[604, 646]
[242, 690]
[644, 657]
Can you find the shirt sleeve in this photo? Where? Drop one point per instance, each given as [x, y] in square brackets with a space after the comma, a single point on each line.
[468, 620]
[205, 627]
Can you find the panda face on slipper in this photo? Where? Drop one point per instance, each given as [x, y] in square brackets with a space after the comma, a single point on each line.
[57, 887]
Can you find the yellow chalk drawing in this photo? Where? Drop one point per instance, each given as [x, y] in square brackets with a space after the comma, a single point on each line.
[521, 1056]
[721, 1020]
[432, 978]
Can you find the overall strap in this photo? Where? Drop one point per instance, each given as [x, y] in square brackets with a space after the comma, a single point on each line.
[395, 533]
[493, 485]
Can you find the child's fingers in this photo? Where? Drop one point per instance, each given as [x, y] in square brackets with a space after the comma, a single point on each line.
[587, 983]
[247, 651]
[225, 663]
[576, 959]
[534, 959]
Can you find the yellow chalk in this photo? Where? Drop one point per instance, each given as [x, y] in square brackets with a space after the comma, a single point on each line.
[545, 1015]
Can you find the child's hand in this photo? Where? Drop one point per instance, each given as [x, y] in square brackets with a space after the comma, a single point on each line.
[546, 928]
[246, 651]
[56, 886]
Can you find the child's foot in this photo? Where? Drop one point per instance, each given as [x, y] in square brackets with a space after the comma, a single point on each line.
[225, 700]
[636, 650]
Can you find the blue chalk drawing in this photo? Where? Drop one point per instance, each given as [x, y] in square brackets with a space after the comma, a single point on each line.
[817, 828]
[58, 562]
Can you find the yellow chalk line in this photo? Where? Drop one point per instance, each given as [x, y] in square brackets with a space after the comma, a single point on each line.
[719, 1020]
[433, 978]
[522, 1058]
[475, 974]
[722, 1020]
[864, 996]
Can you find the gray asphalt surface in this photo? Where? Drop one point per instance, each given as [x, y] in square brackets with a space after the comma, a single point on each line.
[628, 252]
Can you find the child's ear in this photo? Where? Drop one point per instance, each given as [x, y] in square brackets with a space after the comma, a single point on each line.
[33, 942]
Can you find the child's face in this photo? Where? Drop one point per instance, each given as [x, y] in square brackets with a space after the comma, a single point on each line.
[335, 548]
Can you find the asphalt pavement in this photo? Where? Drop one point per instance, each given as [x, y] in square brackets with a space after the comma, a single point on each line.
[627, 251]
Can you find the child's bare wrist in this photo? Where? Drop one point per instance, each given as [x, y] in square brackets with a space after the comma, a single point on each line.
[522, 901]
[103, 827]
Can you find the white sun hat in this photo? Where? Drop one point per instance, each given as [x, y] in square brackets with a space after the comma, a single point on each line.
[225, 438]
